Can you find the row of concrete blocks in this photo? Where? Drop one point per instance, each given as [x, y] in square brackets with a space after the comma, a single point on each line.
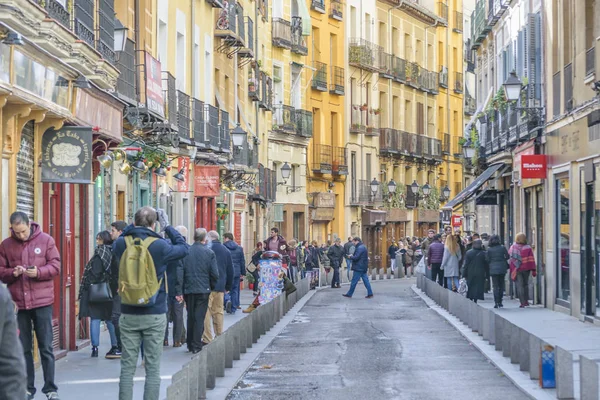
[381, 274]
[201, 372]
[522, 347]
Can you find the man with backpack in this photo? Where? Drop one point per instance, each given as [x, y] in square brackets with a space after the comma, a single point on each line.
[143, 256]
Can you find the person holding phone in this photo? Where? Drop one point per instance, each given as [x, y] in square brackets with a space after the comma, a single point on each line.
[29, 262]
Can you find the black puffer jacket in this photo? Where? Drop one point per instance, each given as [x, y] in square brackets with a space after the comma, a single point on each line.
[498, 259]
[476, 270]
[200, 271]
[237, 257]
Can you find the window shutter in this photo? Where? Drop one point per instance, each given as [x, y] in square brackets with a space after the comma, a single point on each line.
[420, 119]
[277, 212]
[533, 47]
[520, 54]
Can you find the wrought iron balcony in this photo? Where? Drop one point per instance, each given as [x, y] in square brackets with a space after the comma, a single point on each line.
[170, 96]
[337, 80]
[429, 81]
[458, 22]
[282, 33]
[183, 115]
[470, 104]
[106, 29]
[199, 124]
[318, 5]
[248, 51]
[227, 21]
[457, 149]
[399, 69]
[446, 144]
[241, 156]
[385, 65]
[590, 61]
[319, 80]
[443, 77]
[127, 78]
[336, 10]
[212, 127]
[322, 159]
[84, 21]
[568, 87]
[57, 12]
[340, 162]
[224, 135]
[304, 123]
[298, 42]
[365, 196]
[254, 82]
[443, 10]
[364, 54]
[358, 118]
[458, 82]
[389, 141]
[373, 121]
[496, 9]
[479, 24]
[266, 92]
[239, 12]
[284, 119]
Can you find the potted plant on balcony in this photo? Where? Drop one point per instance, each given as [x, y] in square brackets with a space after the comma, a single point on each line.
[376, 111]
[364, 107]
[355, 126]
[252, 84]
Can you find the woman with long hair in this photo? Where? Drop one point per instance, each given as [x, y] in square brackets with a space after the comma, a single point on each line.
[451, 262]
[100, 269]
[522, 263]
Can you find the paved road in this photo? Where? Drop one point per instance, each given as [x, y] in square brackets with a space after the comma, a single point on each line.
[389, 347]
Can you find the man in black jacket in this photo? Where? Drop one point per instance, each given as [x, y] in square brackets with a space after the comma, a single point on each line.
[239, 269]
[215, 301]
[13, 379]
[200, 276]
[175, 297]
[336, 255]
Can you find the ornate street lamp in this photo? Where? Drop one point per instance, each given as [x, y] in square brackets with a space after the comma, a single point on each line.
[392, 187]
[105, 160]
[160, 171]
[179, 176]
[469, 149]
[13, 38]
[138, 166]
[426, 189]
[374, 186]
[238, 136]
[446, 192]
[120, 36]
[286, 171]
[512, 87]
[414, 187]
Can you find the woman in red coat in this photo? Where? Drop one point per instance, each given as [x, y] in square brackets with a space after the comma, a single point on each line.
[522, 263]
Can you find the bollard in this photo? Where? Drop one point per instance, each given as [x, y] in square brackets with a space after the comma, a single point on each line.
[202, 373]
[506, 343]
[220, 357]
[249, 331]
[524, 350]
[564, 374]
[178, 388]
[243, 332]
[373, 274]
[228, 341]
[255, 317]
[485, 323]
[535, 356]
[211, 376]
[590, 378]
[193, 368]
[492, 328]
[515, 344]
[498, 331]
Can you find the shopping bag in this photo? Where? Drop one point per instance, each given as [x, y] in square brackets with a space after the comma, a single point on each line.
[421, 266]
[462, 287]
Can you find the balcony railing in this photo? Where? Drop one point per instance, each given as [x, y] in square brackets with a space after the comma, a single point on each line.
[385, 65]
[412, 74]
[458, 22]
[358, 119]
[337, 80]
[446, 144]
[284, 119]
[336, 10]
[250, 30]
[365, 196]
[298, 42]
[443, 77]
[224, 134]
[319, 81]
[470, 104]
[395, 143]
[443, 10]
[568, 81]
[364, 54]
[322, 159]
[239, 12]
[282, 33]
[457, 149]
[227, 20]
[389, 141]
[212, 127]
[590, 61]
[242, 156]
[199, 128]
[254, 82]
[399, 69]
[170, 96]
[106, 30]
[373, 122]
[339, 164]
[57, 12]
[127, 78]
[183, 115]
[318, 5]
[458, 82]
[304, 123]
[479, 24]
[84, 21]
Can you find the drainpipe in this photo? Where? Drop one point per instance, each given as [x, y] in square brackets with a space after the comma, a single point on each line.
[448, 118]
[390, 83]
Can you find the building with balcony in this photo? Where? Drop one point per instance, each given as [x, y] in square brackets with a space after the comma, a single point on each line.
[565, 240]
[327, 157]
[291, 126]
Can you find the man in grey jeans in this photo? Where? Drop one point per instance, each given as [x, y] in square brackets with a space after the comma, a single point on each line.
[148, 323]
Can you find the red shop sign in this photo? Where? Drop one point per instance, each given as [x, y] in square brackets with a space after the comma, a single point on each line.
[533, 166]
[456, 220]
[206, 182]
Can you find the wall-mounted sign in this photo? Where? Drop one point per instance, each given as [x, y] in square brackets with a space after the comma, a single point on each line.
[323, 214]
[67, 155]
[207, 181]
[456, 221]
[155, 101]
[239, 202]
[533, 166]
[92, 110]
[324, 200]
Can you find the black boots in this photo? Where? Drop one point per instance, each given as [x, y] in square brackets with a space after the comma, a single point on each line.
[94, 352]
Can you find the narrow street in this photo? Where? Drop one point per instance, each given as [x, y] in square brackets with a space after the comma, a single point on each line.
[389, 347]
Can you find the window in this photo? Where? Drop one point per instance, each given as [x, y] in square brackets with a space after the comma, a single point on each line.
[353, 22]
[181, 64]
[420, 119]
[368, 166]
[563, 238]
[408, 126]
[368, 27]
[162, 44]
[383, 36]
[567, 39]
[353, 194]
[407, 47]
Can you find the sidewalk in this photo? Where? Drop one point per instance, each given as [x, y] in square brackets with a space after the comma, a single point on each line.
[78, 376]
[570, 337]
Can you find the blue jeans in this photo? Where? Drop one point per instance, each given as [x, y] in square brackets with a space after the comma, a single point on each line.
[235, 294]
[450, 279]
[95, 332]
[348, 267]
[355, 278]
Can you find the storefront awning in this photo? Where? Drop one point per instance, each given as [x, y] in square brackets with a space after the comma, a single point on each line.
[470, 190]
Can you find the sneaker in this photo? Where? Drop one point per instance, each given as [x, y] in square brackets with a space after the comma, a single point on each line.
[369, 296]
[346, 295]
[30, 396]
[52, 396]
[228, 307]
[249, 309]
[114, 353]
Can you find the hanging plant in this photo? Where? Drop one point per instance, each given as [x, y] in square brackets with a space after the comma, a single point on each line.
[395, 200]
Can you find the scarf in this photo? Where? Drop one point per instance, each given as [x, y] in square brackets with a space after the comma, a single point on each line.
[104, 252]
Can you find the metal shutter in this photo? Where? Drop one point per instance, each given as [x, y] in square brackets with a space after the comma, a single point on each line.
[25, 171]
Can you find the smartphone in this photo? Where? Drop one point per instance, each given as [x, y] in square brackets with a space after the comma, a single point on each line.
[31, 267]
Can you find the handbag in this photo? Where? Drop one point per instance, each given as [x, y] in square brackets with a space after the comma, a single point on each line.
[100, 293]
[251, 267]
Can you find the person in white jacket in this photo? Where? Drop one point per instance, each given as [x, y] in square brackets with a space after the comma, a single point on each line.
[451, 262]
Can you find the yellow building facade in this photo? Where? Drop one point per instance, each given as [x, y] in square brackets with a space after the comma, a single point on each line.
[327, 162]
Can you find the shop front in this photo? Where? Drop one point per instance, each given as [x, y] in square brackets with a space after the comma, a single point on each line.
[322, 214]
[395, 229]
[572, 241]
[425, 220]
[206, 190]
[373, 225]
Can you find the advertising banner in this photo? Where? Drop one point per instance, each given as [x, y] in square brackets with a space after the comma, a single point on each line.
[270, 285]
[67, 155]
[206, 181]
[155, 101]
[533, 166]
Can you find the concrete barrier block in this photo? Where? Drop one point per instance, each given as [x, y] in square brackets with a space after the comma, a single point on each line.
[515, 344]
[202, 373]
[564, 374]
[498, 331]
[506, 343]
[249, 329]
[178, 389]
[221, 355]
[211, 367]
[193, 368]
[229, 343]
[524, 350]
[535, 356]
[485, 323]
[590, 378]
[492, 327]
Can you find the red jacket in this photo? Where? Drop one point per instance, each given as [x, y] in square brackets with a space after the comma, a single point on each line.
[40, 251]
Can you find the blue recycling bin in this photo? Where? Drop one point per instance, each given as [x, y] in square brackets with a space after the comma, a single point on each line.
[548, 368]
